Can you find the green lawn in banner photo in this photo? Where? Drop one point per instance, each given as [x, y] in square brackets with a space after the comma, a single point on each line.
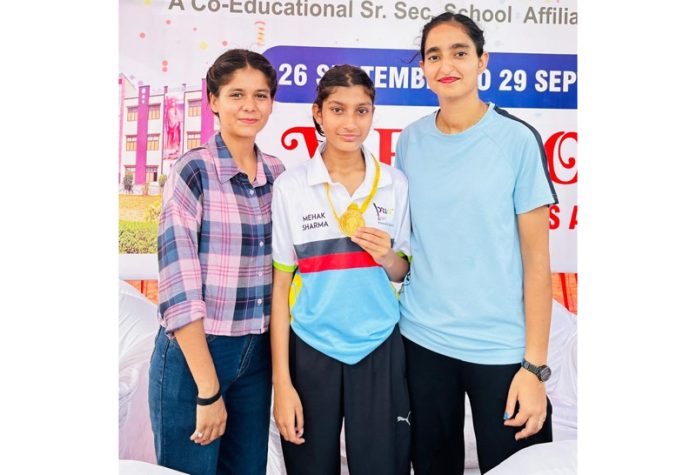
[135, 207]
[137, 225]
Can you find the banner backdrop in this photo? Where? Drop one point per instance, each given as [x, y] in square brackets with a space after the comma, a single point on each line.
[166, 47]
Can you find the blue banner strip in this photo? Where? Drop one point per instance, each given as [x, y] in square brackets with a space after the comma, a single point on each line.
[524, 80]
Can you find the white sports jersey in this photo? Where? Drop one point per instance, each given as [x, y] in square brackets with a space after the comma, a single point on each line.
[342, 302]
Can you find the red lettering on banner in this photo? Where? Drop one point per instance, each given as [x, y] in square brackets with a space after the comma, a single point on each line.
[553, 154]
[552, 146]
[309, 135]
[574, 218]
[554, 220]
[385, 144]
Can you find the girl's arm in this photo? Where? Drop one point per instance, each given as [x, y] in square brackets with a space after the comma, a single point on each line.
[526, 387]
[287, 408]
[181, 297]
[534, 245]
[211, 419]
[397, 268]
[377, 243]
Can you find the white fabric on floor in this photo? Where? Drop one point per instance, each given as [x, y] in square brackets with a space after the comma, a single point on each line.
[138, 325]
[136, 467]
[562, 387]
[553, 458]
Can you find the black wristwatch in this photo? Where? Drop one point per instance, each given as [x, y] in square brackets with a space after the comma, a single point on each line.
[542, 372]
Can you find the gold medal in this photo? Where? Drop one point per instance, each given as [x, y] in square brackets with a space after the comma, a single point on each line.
[352, 218]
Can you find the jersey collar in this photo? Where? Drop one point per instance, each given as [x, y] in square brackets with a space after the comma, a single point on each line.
[317, 174]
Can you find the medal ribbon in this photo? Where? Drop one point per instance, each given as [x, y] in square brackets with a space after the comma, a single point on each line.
[366, 203]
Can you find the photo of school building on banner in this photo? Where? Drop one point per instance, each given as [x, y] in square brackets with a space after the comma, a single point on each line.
[166, 48]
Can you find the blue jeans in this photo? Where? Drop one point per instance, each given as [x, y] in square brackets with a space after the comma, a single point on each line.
[243, 366]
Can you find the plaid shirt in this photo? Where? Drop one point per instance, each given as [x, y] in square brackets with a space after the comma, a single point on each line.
[214, 243]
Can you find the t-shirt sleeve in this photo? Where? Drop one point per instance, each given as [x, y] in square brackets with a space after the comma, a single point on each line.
[402, 229]
[398, 158]
[284, 257]
[533, 186]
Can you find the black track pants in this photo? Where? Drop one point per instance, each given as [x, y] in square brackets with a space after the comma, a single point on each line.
[437, 385]
[372, 395]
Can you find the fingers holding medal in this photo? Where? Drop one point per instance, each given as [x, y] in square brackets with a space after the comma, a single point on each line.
[374, 241]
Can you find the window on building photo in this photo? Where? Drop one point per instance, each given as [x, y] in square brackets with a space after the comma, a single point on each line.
[151, 174]
[131, 141]
[153, 111]
[153, 142]
[193, 139]
[132, 114]
[194, 107]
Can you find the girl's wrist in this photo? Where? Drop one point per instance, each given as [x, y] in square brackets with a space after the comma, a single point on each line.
[537, 358]
[206, 390]
[388, 260]
[279, 381]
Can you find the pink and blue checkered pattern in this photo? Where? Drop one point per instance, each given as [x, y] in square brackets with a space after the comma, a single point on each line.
[214, 242]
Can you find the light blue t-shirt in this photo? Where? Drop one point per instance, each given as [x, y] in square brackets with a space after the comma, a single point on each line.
[463, 297]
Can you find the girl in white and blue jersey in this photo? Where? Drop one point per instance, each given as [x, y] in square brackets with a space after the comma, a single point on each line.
[340, 234]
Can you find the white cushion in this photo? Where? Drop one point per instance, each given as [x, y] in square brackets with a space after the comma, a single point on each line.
[553, 458]
[136, 467]
[138, 325]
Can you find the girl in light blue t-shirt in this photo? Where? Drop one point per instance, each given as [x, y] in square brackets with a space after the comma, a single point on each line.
[476, 305]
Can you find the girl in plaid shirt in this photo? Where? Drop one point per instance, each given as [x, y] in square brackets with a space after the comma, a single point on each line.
[210, 373]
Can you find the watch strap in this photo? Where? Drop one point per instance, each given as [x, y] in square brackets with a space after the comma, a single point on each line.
[530, 367]
[535, 370]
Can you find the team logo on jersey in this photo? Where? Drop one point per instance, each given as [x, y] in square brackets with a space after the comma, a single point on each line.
[384, 215]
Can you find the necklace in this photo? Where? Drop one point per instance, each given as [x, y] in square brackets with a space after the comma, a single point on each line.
[352, 218]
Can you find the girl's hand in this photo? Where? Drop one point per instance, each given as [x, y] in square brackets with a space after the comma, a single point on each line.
[210, 422]
[531, 395]
[376, 243]
[287, 411]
